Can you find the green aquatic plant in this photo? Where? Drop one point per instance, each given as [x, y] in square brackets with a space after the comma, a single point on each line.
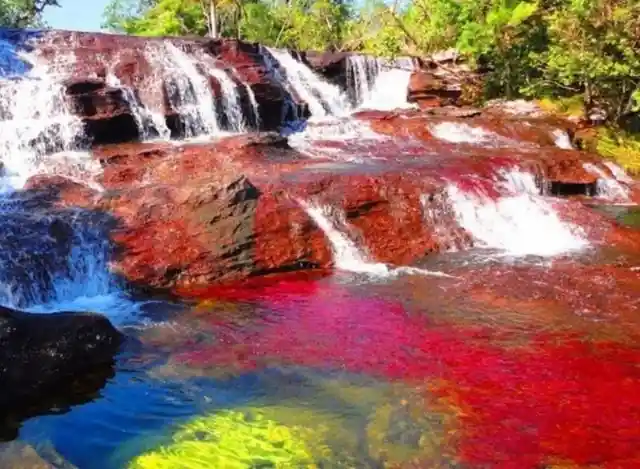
[622, 147]
[238, 439]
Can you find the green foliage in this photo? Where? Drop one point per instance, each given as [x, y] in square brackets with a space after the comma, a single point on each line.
[620, 146]
[23, 13]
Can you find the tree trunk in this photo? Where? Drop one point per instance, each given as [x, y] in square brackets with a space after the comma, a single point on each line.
[210, 11]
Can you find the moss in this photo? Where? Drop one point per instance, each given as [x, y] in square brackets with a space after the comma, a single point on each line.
[621, 147]
[572, 106]
[235, 439]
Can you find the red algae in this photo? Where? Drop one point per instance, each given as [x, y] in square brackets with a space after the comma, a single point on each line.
[559, 398]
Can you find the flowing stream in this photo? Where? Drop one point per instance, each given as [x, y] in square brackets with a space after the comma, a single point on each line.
[517, 302]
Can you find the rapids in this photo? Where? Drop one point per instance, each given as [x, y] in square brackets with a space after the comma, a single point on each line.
[385, 287]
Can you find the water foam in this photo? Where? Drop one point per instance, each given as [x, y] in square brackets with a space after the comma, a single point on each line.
[607, 187]
[346, 254]
[38, 132]
[456, 132]
[188, 90]
[150, 124]
[519, 222]
[389, 91]
[323, 98]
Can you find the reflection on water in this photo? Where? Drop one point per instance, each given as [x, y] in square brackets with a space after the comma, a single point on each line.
[530, 364]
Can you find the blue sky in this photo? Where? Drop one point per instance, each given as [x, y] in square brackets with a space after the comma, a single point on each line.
[80, 15]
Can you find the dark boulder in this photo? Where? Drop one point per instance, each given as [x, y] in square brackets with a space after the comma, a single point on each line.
[51, 361]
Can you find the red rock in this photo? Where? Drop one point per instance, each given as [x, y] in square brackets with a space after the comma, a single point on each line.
[428, 90]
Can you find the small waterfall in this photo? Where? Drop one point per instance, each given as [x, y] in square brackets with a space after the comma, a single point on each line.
[608, 187]
[255, 112]
[150, 124]
[562, 139]
[389, 90]
[362, 72]
[38, 133]
[231, 105]
[51, 257]
[518, 222]
[618, 172]
[346, 254]
[455, 132]
[189, 92]
[323, 98]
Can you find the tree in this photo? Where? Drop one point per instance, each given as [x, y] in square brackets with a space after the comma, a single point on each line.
[23, 13]
[595, 50]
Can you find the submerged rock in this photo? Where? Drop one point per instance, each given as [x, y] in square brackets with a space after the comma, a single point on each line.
[18, 455]
[50, 361]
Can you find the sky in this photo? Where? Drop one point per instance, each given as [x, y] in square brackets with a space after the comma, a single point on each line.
[80, 15]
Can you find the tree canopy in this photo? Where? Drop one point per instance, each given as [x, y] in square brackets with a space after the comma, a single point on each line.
[527, 47]
[23, 13]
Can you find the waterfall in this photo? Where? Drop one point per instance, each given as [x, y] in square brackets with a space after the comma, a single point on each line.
[231, 105]
[51, 258]
[150, 124]
[346, 254]
[362, 72]
[562, 139]
[38, 133]
[389, 90]
[189, 92]
[518, 222]
[608, 187]
[323, 98]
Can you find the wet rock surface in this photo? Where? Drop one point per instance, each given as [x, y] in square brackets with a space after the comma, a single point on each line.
[51, 361]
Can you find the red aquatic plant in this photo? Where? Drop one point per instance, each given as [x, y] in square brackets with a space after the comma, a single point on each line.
[555, 399]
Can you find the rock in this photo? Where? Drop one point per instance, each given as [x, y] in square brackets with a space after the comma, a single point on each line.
[18, 455]
[49, 361]
[444, 80]
[428, 90]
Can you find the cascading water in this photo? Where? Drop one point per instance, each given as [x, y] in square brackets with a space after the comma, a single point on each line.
[562, 139]
[38, 133]
[188, 90]
[231, 105]
[150, 124]
[51, 258]
[518, 221]
[455, 132]
[362, 72]
[608, 187]
[346, 254]
[389, 90]
[323, 98]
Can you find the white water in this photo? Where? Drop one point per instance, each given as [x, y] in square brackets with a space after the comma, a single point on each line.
[231, 104]
[608, 187]
[562, 139]
[618, 172]
[39, 135]
[389, 90]
[362, 72]
[456, 132]
[150, 124]
[323, 98]
[519, 223]
[347, 256]
[189, 91]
